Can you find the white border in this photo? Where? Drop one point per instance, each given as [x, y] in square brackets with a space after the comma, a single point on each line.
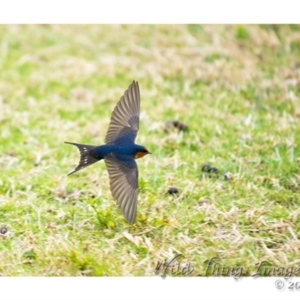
[149, 11]
[138, 288]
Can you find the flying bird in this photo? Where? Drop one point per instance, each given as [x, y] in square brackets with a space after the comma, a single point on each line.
[119, 152]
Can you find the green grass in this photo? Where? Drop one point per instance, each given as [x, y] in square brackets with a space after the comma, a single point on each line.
[236, 88]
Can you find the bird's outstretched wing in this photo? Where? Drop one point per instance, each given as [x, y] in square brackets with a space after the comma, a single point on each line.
[123, 179]
[124, 122]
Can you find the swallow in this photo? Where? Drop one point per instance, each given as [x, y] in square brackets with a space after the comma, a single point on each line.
[119, 152]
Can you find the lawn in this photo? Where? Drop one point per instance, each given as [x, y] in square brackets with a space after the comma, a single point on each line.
[237, 90]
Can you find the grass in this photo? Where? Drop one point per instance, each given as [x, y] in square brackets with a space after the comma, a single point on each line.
[235, 87]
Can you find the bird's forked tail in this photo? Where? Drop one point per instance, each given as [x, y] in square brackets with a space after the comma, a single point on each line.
[85, 158]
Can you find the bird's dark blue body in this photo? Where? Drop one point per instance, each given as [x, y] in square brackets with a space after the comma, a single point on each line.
[125, 149]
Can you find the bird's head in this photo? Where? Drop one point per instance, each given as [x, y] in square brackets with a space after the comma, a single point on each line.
[141, 152]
